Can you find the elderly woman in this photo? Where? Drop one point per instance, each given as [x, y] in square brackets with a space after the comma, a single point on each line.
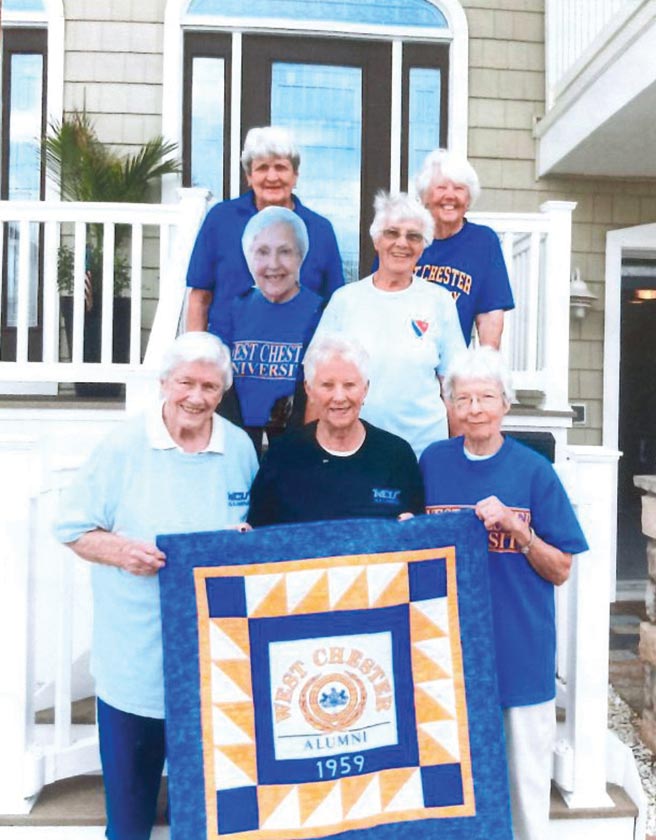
[218, 271]
[271, 325]
[338, 466]
[409, 327]
[178, 468]
[533, 533]
[464, 257]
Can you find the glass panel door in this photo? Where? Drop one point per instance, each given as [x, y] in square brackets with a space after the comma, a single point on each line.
[334, 97]
[323, 106]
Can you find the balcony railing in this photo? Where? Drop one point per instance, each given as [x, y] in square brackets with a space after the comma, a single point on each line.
[571, 27]
[536, 247]
[35, 239]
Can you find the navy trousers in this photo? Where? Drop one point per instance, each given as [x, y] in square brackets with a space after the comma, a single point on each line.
[132, 753]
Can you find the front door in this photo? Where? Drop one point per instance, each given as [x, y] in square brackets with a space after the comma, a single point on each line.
[335, 95]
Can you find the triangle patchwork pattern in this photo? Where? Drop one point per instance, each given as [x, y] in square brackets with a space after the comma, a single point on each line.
[445, 733]
[391, 782]
[424, 668]
[340, 581]
[241, 714]
[356, 596]
[224, 689]
[436, 611]
[266, 595]
[320, 804]
[235, 632]
[229, 774]
[222, 645]
[278, 807]
[410, 796]
[422, 627]
[367, 803]
[427, 709]
[242, 757]
[388, 584]
[316, 600]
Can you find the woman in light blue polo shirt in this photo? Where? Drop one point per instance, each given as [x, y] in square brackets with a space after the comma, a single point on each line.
[178, 468]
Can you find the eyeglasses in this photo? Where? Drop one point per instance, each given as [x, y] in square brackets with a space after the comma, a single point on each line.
[412, 236]
[465, 401]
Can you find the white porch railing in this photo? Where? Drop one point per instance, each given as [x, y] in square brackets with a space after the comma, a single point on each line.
[31, 238]
[571, 26]
[33, 755]
[536, 247]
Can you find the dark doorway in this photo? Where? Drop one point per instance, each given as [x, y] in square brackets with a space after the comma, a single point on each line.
[637, 417]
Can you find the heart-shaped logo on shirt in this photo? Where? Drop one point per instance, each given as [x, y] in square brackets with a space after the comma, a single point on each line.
[419, 327]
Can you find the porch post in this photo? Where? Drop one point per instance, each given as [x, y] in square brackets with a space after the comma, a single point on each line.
[554, 353]
[580, 765]
[20, 769]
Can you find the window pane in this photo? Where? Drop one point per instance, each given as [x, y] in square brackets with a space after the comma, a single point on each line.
[23, 6]
[322, 105]
[207, 119]
[424, 116]
[24, 180]
[391, 12]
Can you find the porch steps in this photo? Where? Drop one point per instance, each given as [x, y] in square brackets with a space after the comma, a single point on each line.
[65, 809]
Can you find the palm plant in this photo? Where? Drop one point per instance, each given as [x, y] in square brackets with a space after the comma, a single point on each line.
[88, 170]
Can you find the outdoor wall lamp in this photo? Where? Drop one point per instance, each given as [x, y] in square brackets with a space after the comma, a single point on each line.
[580, 297]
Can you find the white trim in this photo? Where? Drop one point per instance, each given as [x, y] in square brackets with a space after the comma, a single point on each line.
[633, 240]
[176, 19]
[396, 121]
[235, 113]
[55, 75]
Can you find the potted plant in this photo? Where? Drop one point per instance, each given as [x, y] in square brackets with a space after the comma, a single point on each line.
[88, 170]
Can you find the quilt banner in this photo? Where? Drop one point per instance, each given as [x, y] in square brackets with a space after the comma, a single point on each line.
[331, 679]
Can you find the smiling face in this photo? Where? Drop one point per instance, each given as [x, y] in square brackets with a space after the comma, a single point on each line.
[479, 406]
[275, 263]
[272, 179]
[448, 202]
[399, 246]
[192, 392]
[337, 392]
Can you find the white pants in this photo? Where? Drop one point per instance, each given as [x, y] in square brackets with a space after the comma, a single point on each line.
[530, 735]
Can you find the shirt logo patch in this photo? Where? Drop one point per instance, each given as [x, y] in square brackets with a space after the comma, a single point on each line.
[385, 496]
[238, 498]
[419, 327]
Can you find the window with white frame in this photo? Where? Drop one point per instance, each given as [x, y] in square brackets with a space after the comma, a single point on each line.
[365, 87]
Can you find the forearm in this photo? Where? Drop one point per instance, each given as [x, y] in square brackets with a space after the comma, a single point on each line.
[548, 561]
[108, 549]
[198, 306]
[489, 326]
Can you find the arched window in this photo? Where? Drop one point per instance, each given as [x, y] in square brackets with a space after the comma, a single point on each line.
[367, 88]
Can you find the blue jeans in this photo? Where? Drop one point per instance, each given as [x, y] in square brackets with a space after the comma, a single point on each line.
[132, 753]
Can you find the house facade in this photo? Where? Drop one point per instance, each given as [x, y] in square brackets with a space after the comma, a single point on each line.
[548, 98]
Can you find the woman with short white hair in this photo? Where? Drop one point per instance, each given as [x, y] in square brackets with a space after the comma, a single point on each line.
[463, 257]
[533, 533]
[218, 271]
[177, 468]
[339, 466]
[270, 327]
[409, 327]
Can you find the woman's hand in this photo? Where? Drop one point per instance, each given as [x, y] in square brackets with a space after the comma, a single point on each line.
[137, 557]
[241, 527]
[548, 561]
[498, 517]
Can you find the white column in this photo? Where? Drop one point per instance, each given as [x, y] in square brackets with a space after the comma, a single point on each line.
[580, 766]
[555, 323]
